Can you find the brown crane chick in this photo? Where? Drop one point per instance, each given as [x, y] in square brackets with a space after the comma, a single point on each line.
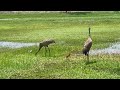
[45, 44]
[67, 56]
[87, 46]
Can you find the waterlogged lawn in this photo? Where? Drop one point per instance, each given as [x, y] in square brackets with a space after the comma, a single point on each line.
[69, 30]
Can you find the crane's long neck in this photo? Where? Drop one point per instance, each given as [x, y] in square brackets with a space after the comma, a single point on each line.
[89, 32]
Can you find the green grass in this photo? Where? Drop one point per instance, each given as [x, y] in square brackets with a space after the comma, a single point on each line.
[69, 30]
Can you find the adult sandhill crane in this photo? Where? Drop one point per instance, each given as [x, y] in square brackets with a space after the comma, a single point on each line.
[45, 44]
[87, 46]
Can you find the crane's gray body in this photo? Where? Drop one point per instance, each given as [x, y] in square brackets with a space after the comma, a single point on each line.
[87, 46]
[45, 44]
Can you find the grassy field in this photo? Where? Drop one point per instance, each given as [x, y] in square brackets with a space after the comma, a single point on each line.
[69, 30]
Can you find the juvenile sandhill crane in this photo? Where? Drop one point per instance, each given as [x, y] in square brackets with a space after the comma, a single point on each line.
[68, 55]
[45, 44]
[87, 46]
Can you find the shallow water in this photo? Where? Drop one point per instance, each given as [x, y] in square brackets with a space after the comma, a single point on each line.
[15, 44]
[113, 49]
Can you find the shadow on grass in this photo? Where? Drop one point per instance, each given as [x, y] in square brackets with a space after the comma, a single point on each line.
[90, 62]
[78, 13]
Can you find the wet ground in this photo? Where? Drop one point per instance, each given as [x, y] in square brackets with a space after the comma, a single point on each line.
[113, 49]
[15, 44]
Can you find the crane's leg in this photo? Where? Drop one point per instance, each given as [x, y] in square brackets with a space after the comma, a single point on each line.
[38, 50]
[45, 51]
[49, 51]
[87, 57]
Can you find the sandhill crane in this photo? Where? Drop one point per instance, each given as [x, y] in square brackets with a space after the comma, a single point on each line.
[45, 44]
[87, 46]
[68, 55]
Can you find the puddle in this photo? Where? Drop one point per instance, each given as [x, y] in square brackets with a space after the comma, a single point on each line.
[114, 49]
[15, 44]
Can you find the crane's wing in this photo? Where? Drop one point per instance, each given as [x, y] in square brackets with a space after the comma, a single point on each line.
[88, 43]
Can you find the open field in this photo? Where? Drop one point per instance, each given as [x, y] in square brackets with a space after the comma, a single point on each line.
[69, 30]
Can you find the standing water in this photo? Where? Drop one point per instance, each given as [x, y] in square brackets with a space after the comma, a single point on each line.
[114, 49]
[15, 44]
